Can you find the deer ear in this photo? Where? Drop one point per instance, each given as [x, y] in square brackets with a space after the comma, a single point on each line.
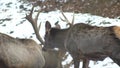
[47, 26]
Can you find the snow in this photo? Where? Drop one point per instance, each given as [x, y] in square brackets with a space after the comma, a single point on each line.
[25, 29]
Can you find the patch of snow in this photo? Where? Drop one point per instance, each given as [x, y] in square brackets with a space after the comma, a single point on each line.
[25, 29]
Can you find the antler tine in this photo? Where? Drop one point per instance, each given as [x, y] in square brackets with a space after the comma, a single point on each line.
[66, 20]
[31, 12]
[39, 26]
[34, 24]
[36, 18]
[73, 18]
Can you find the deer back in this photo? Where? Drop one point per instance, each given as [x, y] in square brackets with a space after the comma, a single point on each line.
[92, 41]
[20, 53]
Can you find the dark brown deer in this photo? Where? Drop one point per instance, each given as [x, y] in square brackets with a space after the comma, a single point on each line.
[86, 42]
[53, 58]
[20, 53]
[61, 47]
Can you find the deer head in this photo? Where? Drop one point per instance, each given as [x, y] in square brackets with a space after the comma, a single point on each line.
[55, 37]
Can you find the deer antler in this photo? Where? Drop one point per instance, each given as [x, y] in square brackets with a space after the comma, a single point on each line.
[73, 18]
[34, 24]
[66, 20]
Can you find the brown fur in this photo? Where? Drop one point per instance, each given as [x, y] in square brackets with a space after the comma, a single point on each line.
[26, 53]
[20, 53]
[116, 30]
[53, 59]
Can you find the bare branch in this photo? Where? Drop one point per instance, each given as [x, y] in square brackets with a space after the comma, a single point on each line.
[34, 24]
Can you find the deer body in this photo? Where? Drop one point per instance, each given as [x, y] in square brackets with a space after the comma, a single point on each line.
[20, 53]
[86, 42]
[93, 42]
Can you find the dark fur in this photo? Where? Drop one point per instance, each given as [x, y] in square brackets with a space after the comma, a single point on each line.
[86, 42]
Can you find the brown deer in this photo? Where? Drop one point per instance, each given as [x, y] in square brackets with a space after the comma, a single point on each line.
[25, 53]
[85, 42]
[53, 58]
[20, 53]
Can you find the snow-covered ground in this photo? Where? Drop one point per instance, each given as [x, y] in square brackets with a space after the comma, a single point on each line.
[19, 27]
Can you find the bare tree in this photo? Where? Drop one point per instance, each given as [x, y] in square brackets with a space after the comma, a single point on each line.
[106, 8]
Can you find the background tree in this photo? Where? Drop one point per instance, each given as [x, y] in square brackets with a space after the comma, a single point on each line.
[106, 8]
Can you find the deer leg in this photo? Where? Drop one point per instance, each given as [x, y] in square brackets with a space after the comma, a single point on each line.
[116, 56]
[76, 62]
[117, 61]
[85, 63]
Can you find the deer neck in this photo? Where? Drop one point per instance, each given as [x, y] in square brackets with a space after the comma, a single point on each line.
[59, 38]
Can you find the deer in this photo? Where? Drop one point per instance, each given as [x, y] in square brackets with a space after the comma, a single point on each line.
[61, 47]
[85, 42]
[20, 53]
[26, 53]
[53, 58]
